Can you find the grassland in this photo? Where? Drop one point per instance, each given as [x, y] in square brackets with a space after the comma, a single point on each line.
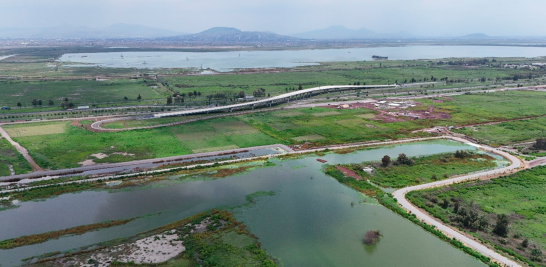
[507, 133]
[62, 150]
[53, 81]
[299, 125]
[47, 128]
[488, 107]
[10, 157]
[423, 170]
[343, 73]
[79, 92]
[520, 196]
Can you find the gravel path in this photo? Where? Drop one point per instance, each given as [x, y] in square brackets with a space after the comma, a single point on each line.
[425, 217]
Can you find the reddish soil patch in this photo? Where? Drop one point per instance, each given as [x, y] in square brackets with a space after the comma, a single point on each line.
[351, 106]
[348, 172]
[400, 114]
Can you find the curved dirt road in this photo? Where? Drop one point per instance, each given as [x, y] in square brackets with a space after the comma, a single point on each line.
[400, 197]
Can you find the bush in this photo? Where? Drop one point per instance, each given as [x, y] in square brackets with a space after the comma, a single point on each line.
[371, 237]
[501, 228]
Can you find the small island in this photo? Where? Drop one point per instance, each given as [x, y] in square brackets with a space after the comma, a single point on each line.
[371, 237]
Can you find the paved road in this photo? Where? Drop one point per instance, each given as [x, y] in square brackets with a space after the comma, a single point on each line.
[476, 245]
[21, 150]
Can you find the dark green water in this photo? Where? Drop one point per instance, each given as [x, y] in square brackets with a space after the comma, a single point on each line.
[309, 222]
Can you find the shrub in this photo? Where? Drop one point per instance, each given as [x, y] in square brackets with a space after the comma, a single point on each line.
[371, 237]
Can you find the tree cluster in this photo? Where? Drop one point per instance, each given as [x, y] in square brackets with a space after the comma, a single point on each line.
[461, 154]
[470, 217]
[403, 160]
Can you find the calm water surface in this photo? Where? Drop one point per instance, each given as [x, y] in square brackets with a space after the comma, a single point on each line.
[309, 222]
[227, 61]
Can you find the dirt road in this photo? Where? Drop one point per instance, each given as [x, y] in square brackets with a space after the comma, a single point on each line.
[21, 150]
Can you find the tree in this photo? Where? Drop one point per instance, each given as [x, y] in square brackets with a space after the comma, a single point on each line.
[51, 103]
[525, 243]
[19, 104]
[540, 144]
[386, 160]
[434, 177]
[39, 102]
[139, 97]
[125, 98]
[34, 102]
[169, 100]
[299, 87]
[445, 203]
[241, 94]
[501, 228]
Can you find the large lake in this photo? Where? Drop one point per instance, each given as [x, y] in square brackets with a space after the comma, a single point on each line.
[308, 222]
[227, 61]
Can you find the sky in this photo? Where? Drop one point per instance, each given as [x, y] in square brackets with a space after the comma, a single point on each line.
[418, 17]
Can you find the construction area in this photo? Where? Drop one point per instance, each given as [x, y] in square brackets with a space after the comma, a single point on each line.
[390, 110]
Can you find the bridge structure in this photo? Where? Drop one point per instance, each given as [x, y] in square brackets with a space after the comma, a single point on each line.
[270, 101]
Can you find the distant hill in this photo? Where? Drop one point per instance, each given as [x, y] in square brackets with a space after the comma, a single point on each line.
[475, 36]
[67, 31]
[226, 35]
[340, 32]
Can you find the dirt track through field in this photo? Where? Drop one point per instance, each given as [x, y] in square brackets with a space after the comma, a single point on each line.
[22, 150]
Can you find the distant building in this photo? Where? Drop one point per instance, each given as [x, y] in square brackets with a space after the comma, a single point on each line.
[82, 107]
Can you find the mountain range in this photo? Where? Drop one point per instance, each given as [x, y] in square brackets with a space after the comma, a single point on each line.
[216, 35]
[224, 35]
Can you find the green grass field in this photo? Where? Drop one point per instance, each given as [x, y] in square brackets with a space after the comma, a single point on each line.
[507, 133]
[488, 107]
[65, 150]
[520, 196]
[442, 166]
[44, 128]
[10, 156]
[78, 92]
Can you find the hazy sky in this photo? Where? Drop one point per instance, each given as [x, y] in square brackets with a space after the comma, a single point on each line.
[420, 17]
